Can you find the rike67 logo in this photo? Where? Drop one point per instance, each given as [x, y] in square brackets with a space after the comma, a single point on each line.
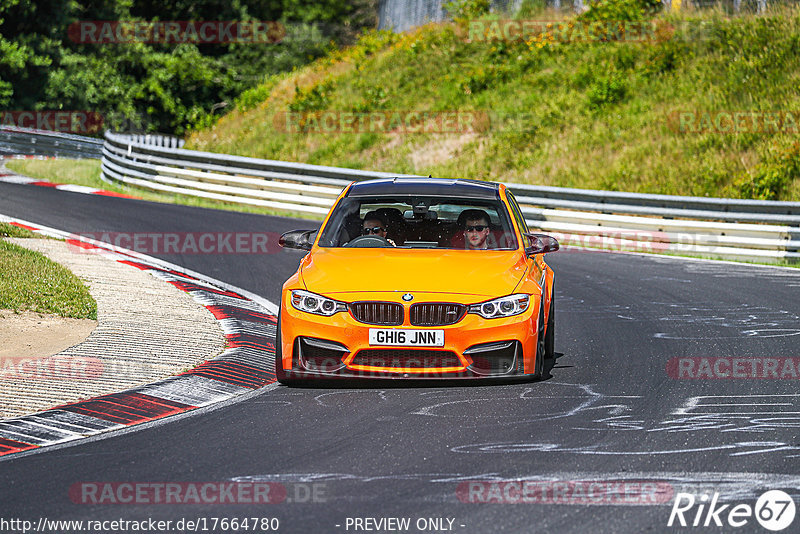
[774, 510]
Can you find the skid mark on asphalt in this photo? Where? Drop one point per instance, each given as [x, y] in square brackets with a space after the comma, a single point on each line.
[745, 320]
[735, 413]
[735, 449]
[324, 398]
[566, 400]
[686, 322]
[728, 269]
[740, 413]
[725, 413]
[789, 277]
[584, 408]
[442, 487]
[667, 279]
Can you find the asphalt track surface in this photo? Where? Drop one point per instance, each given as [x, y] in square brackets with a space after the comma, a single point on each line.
[608, 411]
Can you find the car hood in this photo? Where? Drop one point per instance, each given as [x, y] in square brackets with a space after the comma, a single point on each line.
[345, 270]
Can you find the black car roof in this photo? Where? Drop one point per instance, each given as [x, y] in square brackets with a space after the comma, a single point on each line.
[457, 188]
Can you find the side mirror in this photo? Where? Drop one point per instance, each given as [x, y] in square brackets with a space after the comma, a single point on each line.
[542, 244]
[299, 239]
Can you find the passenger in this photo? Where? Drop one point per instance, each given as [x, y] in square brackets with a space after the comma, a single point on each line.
[374, 224]
[476, 227]
[395, 224]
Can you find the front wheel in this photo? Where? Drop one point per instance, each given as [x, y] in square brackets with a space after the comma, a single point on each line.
[280, 373]
[550, 336]
[540, 346]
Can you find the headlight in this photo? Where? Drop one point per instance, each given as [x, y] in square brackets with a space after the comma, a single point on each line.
[502, 307]
[308, 302]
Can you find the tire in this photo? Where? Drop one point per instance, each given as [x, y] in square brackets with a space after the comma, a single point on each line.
[280, 373]
[540, 346]
[550, 336]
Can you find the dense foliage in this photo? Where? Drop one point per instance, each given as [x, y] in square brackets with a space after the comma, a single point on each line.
[574, 111]
[166, 87]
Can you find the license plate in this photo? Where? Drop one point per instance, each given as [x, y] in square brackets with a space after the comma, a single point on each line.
[397, 337]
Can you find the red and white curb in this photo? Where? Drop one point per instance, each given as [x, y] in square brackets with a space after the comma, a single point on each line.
[26, 156]
[247, 320]
[13, 178]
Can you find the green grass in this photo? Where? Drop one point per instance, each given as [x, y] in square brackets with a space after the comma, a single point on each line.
[87, 172]
[9, 230]
[590, 115]
[30, 281]
[66, 171]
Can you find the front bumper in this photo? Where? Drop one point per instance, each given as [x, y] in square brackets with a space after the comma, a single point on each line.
[321, 347]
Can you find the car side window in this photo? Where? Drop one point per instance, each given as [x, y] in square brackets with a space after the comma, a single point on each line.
[521, 223]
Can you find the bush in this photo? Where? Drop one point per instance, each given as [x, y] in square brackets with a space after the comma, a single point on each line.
[773, 176]
[374, 99]
[314, 98]
[467, 9]
[159, 86]
[482, 78]
[253, 97]
[608, 89]
[614, 10]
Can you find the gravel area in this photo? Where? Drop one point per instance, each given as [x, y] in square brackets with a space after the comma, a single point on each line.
[146, 330]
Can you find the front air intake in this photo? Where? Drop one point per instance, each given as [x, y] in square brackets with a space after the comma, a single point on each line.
[377, 313]
[417, 359]
[436, 313]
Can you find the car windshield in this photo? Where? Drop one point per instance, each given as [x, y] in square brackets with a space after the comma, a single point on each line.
[419, 222]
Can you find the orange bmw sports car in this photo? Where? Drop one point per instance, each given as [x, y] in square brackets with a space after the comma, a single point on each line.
[418, 278]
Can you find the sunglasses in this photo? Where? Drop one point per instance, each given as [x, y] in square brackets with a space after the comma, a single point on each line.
[374, 230]
[476, 228]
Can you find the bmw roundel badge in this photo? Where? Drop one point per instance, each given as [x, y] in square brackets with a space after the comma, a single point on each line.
[408, 297]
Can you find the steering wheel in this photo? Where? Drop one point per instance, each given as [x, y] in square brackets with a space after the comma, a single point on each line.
[368, 241]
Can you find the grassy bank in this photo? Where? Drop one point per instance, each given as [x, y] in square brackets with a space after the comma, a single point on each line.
[30, 281]
[598, 115]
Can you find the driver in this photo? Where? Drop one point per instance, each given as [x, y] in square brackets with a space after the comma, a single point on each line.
[476, 225]
[374, 224]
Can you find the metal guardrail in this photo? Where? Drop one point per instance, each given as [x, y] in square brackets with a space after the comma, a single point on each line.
[402, 15]
[582, 219]
[30, 142]
[729, 228]
[272, 184]
[724, 209]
